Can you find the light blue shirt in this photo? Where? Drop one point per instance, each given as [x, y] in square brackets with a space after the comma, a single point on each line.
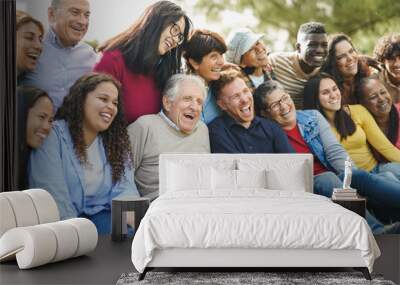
[59, 67]
[55, 167]
[210, 108]
[320, 138]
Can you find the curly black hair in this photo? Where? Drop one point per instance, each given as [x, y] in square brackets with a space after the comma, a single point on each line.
[115, 138]
[387, 47]
[312, 28]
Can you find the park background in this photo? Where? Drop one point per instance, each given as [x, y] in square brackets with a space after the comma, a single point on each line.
[364, 20]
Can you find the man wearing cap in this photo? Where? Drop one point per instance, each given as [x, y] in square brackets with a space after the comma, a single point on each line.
[293, 69]
[247, 51]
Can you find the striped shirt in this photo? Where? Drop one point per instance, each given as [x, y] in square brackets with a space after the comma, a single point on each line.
[287, 71]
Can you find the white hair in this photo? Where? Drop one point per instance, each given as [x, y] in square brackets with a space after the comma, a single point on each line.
[174, 83]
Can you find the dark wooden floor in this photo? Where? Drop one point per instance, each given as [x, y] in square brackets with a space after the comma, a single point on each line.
[106, 264]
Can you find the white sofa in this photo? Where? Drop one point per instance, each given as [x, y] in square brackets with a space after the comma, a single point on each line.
[247, 210]
[31, 233]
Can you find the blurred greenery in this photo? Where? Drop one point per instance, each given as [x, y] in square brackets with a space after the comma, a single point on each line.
[363, 20]
[94, 43]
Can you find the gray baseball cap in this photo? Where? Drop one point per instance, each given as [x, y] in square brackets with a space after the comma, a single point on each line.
[240, 41]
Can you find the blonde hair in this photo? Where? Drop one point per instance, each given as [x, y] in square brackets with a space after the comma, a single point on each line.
[22, 18]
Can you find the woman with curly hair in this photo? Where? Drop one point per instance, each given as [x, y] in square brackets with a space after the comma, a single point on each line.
[387, 53]
[144, 56]
[346, 66]
[376, 98]
[86, 160]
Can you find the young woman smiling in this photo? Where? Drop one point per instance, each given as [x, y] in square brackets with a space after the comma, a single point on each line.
[204, 57]
[29, 42]
[144, 56]
[346, 66]
[86, 160]
[35, 118]
[353, 125]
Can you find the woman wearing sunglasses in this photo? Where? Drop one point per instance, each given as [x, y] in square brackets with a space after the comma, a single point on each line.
[144, 56]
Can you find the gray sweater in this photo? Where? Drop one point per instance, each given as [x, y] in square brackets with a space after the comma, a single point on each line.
[151, 135]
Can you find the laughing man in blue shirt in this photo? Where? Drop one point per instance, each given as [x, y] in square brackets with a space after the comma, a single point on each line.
[238, 130]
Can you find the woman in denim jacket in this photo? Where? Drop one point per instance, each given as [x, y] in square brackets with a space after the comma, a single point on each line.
[308, 131]
[86, 161]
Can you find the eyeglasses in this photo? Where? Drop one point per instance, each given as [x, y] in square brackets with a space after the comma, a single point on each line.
[175, 31]
[277, 104]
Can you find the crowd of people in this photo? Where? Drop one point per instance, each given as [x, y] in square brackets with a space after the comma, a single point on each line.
[92, 123]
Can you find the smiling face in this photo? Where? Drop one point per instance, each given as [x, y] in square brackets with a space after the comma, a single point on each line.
[235, 98]
[100, 108]
[281, 109]
[329, 95]
[312, 49]
[256, 56]
[29, 46]
[70, 21]
[185, 109]
[346, 59]
[39, 122]
[376, 98]
[392, 65]
[171, 37]
[210, 66]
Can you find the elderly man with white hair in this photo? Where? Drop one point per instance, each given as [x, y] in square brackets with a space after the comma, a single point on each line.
[177, 128]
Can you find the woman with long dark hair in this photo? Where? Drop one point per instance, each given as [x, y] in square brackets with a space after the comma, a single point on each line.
[346, 66]
[144, 56]
[35, 117]
[86, 160]
[353, 125]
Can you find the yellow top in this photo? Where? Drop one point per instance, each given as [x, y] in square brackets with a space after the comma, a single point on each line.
[367, 130]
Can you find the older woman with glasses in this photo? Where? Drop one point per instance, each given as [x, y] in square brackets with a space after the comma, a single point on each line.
[143, 57]
[309, 132]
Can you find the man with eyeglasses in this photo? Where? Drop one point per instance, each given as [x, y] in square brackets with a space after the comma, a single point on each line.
[238, 130]
[309, 132]
[293, 69]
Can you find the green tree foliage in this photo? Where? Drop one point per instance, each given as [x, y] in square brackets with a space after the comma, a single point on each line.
[363, 20]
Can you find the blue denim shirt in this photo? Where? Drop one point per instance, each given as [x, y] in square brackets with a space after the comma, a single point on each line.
[55, 167]
[319, 137]
[59, 67]
[210, 108]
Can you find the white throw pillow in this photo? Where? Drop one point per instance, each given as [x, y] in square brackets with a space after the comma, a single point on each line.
[188, 177]
[280, 174]
[294, 181]
[251, 178]
[224, 179]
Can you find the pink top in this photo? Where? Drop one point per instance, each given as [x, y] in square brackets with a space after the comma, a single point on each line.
[140, 93]
[397, 144]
